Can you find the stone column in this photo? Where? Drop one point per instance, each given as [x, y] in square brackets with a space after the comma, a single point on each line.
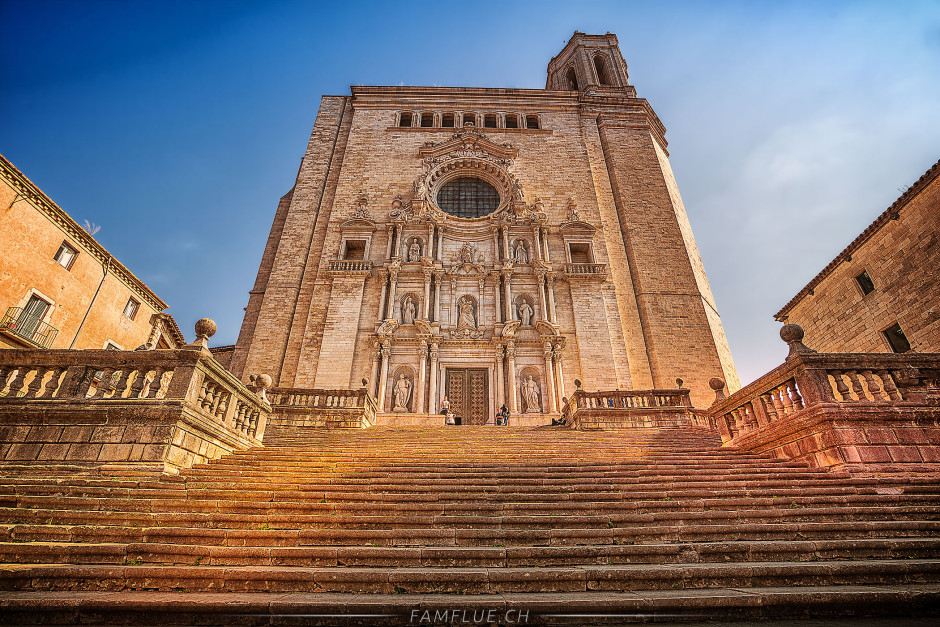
[509, 312]
[537, 241]
[506, 249]
[481, 290]
[500, 384]
[551, 297]
[545, 244]
[374, 381]
[511, 353]
[549, 377]
[427, 294]
[541, 281]
[498, 300]
[560, 387]
[422, 376]
[429, 246]
[384, 298]
[440, 243]
[391, 294]
[389, 230]
[496, 256]
[437, 296]
[398, 242]
[383, 381]
[453, 303]
[432, 391]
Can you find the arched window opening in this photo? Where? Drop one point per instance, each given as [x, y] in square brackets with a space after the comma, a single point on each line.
[405, 120]
[447, 121]
[427, 119]
[532, 121]
[489, 120]
[468, 197]
[470, 118]
[512, 120]
[572, 79]
[601, 68]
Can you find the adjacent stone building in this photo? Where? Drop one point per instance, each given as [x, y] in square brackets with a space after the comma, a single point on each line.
[59, 288]
[882, 293]
[491, 245]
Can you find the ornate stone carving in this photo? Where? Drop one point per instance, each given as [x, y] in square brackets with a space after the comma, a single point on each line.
[573, 214]
[510, 328]
[521, 251]
[402, 394]
[467, 319]
[530, 396]
[408, 310]
[388, 327]
[524, 311]
[360, 212]
[414, 249]
[423, 326]
[466, 261]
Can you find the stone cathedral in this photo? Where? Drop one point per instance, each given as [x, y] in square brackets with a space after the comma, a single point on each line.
[491, 245]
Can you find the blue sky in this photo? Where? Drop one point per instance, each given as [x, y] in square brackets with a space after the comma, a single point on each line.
[176, 126]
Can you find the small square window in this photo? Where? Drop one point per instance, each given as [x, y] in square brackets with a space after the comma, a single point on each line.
[427, 119]
[404, 120]
[355, 250]
[130, 309]
[580, 253]
[489, 120]
[65, 256]
[470, 118]
[111, 346]
[447, 121]
[897, 339]
[512, 121]
[532, 121]
[865, 283]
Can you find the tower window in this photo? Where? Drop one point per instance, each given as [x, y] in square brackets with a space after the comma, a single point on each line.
[447, 121]
[355, 250]
[601, 68]
[405, 120]
[468, 197]
[865, 283]
[470, 118]
[65, 256]
[896, 338]
[130, 309]
[572, 79]
[489, 120]
[512, 121]
[427, 119]
[532, 121]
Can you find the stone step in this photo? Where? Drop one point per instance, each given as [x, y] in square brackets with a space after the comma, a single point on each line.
[153, 553]
[574, 609]
[460, 580]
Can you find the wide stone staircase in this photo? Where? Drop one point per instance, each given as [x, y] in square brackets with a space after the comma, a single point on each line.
[487, 525]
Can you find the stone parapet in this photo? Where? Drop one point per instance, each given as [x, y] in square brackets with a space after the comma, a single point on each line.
[166, 409]
[624, 409]
[335, 409]
[868, 412]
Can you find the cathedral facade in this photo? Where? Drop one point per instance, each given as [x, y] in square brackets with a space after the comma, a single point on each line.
[488, 245]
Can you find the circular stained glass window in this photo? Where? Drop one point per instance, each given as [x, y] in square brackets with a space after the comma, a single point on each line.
[468, 197]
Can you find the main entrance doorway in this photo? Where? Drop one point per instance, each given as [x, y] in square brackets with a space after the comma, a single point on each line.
[468, 394]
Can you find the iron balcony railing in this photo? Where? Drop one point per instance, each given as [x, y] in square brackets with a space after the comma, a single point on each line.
[29, 328]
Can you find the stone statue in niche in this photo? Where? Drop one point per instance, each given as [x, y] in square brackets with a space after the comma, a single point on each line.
[525, 313]
[466, 254]
[530, 394]
[402, 393]
[414, 250]
[408, 311]
[466, 316]
[521, 255]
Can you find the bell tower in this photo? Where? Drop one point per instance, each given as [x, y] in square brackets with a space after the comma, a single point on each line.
[590, 63]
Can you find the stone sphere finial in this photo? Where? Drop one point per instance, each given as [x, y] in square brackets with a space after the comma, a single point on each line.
[679, 383]
[205, 328]
[792, 334]
[577, 383]
[718, 385]
[262, 382]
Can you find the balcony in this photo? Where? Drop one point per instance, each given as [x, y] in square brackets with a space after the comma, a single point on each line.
[586, 270]
[28, 329]
[351, 267]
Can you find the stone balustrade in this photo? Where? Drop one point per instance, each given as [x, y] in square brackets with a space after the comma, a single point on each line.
[871, 411]
[338, 409]
[586, 270]
[167, 409]
[620, 409]
[350, 266]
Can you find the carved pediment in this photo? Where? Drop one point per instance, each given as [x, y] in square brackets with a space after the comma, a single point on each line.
[546, 328]
[510, 328]
[468, 143]
[388, 327]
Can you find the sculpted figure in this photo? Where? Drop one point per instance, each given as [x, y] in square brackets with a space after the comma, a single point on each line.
[414, 251]
[402, 393]
[525, 313]
[530, 394]
[521, 254]
[465, 316]
[408, 311]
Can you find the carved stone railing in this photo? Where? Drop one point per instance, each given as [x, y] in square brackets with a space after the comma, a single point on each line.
[347, 266]
[166, 408]
[864, 410]
[586, 270]
[621, 409]
[338, 409]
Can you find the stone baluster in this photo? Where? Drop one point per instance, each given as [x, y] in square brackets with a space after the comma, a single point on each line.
[104, 383]
[769, 407]
[139, 382]
[421, 388]
[841, 387]
[511, 354]
[35, 384]
[427, 294]
[856, 385]
[549, 377]
[121, 384]
[383, 379]
[795, 395]
[550, 276]
[872, 385]
[51, 386]
[784, 392]
[777, 403]
[432, 385]
[890, 388]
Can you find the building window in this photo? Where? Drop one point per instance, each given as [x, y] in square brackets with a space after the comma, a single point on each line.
[447, 121]
[470, 118]
[532, 121]
[896, 339]
[865, 283]
[427, 119]
[468, 197]
[65, 256]
[405, 120]
[572, 79]
[512, 121]
[111, 346]
[489, 120]
[580, 253]
[355, 250]
[130, 309]
[601, 68]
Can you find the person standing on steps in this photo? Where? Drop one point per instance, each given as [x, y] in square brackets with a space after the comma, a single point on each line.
[502, 418]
